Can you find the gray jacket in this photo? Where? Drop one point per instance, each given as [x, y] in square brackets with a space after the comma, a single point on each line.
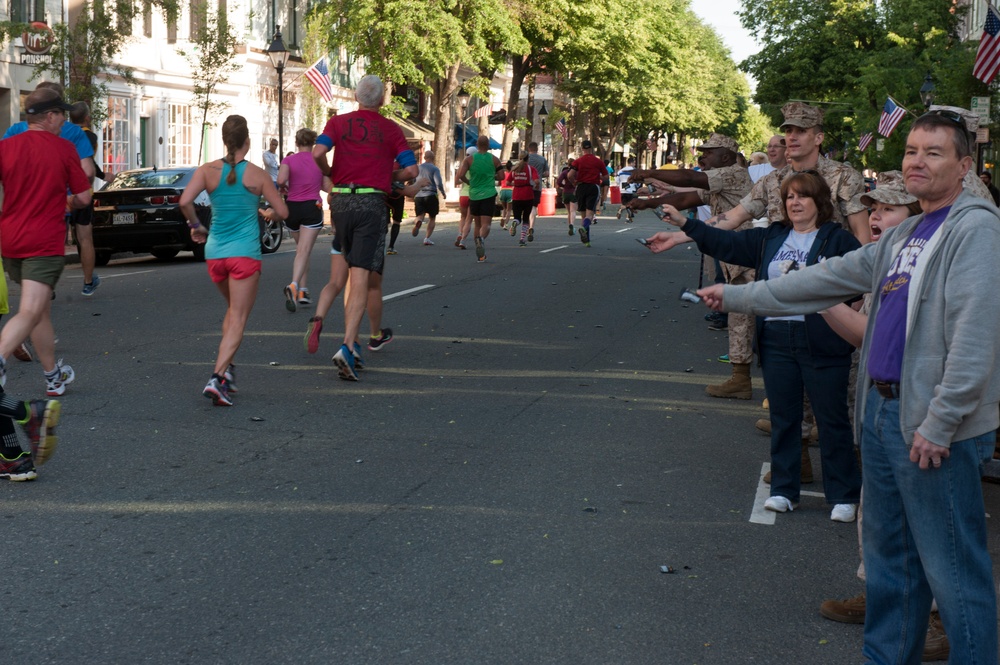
[950, 386]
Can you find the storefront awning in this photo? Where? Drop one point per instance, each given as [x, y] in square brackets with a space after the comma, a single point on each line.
[414, 130]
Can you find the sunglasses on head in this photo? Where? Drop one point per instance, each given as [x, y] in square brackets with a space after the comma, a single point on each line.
[949, 115]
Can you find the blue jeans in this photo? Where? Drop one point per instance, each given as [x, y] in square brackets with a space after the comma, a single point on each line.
[924, 536]
[788, 367]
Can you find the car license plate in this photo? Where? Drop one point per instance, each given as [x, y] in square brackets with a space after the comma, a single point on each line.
[123, 218]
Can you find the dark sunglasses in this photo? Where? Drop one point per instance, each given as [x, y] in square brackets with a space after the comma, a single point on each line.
[950, 115]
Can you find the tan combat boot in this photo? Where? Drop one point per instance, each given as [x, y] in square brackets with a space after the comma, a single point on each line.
[737, 387]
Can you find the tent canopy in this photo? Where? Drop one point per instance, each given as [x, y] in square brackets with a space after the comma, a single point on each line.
[471, 136]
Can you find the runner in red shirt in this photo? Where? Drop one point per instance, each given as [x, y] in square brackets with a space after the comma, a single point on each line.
[525, 179]
[588, 172]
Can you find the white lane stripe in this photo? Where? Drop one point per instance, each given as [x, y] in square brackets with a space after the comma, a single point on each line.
[759, 515]
[623, 230]
[121, 274]
[552, 249]
[407, 292]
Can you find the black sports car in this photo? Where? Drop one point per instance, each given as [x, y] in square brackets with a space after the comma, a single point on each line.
[139, 211]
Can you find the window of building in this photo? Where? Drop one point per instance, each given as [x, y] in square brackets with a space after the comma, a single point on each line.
[181, 136]
[116, 137]
[25, 11]
[147, 18]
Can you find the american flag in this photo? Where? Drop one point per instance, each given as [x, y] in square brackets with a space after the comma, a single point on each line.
[865, 140]
[483, 111]
[892, 113]
[988, 56]
[319, 76]
[561, 126]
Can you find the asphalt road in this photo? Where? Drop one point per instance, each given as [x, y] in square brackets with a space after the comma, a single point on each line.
[503, 485]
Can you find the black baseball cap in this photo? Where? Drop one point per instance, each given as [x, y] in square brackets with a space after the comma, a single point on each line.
[43, 100]
[587, 145]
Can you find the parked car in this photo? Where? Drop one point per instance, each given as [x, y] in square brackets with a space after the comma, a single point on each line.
[139, 211]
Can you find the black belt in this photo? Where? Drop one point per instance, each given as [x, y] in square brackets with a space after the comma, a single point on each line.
[886, 389]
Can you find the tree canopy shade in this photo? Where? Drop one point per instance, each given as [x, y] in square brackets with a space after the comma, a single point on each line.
[850, 55]
[654, 65]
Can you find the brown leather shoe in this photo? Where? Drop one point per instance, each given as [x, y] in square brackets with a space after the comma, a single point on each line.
[805, 474]
[851, 610]
[936, 645]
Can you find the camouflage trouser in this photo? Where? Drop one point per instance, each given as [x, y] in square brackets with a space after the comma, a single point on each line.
[741, 326]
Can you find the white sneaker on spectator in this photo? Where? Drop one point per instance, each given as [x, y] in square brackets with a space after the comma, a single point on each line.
[844, 512]
[779, 504]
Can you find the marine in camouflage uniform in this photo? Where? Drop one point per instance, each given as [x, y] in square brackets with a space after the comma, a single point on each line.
[721, 184]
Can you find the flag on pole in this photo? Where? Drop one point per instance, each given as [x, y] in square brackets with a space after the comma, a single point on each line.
[988, 55]
[561, 127]
[865, 140]
[892, 113]
[319, 76]
[483, 111]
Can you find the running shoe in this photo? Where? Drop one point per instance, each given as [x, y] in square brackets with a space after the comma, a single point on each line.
[230, 376]
[3, 372]
[521, 244]
[217, 391]
[428, 242]
[23, 353]
[344, 360]
[584, 234]
[458, 243]
[531, 235]
[513, 228]
[359, 362]
[391, 250]
[570, 229]
[304, 298]
[290, 293]
[91, 286]
[18, 469]
[56, 386]
[481, 249]
[312, 334]
[416, 227]
[384, 337]
[40, 426]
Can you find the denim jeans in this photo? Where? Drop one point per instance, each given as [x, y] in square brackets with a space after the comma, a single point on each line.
[788, 367]
[924, 537]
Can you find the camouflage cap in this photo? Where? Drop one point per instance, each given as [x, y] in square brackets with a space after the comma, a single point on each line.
[717, 140]
[971, 120]
[799, 114]
[889, 189]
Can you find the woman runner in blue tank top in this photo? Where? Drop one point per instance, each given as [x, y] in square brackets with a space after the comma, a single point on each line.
[232, 245]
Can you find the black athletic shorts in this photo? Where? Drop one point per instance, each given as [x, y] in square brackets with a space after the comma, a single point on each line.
[426, 205]
[361, 221]
[82, 216]
[396, 207]
[483, 207]
[304, 213]
[587, 196]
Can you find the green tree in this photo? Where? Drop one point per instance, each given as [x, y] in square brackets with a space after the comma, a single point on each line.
[212, 60]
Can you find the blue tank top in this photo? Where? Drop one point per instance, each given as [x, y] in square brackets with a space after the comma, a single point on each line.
[234, 231]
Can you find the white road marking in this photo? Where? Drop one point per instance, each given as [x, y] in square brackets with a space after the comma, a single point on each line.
[407, 292]
[121, 274]
[627, 228]
[552, 249]
[759, 515]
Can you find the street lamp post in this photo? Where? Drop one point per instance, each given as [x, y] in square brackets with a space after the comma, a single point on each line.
[927, 91]
[463, 101]
[543, 114]
[279, 57]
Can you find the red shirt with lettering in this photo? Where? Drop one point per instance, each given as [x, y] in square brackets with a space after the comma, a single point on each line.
[365, 146]
[590, 169]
